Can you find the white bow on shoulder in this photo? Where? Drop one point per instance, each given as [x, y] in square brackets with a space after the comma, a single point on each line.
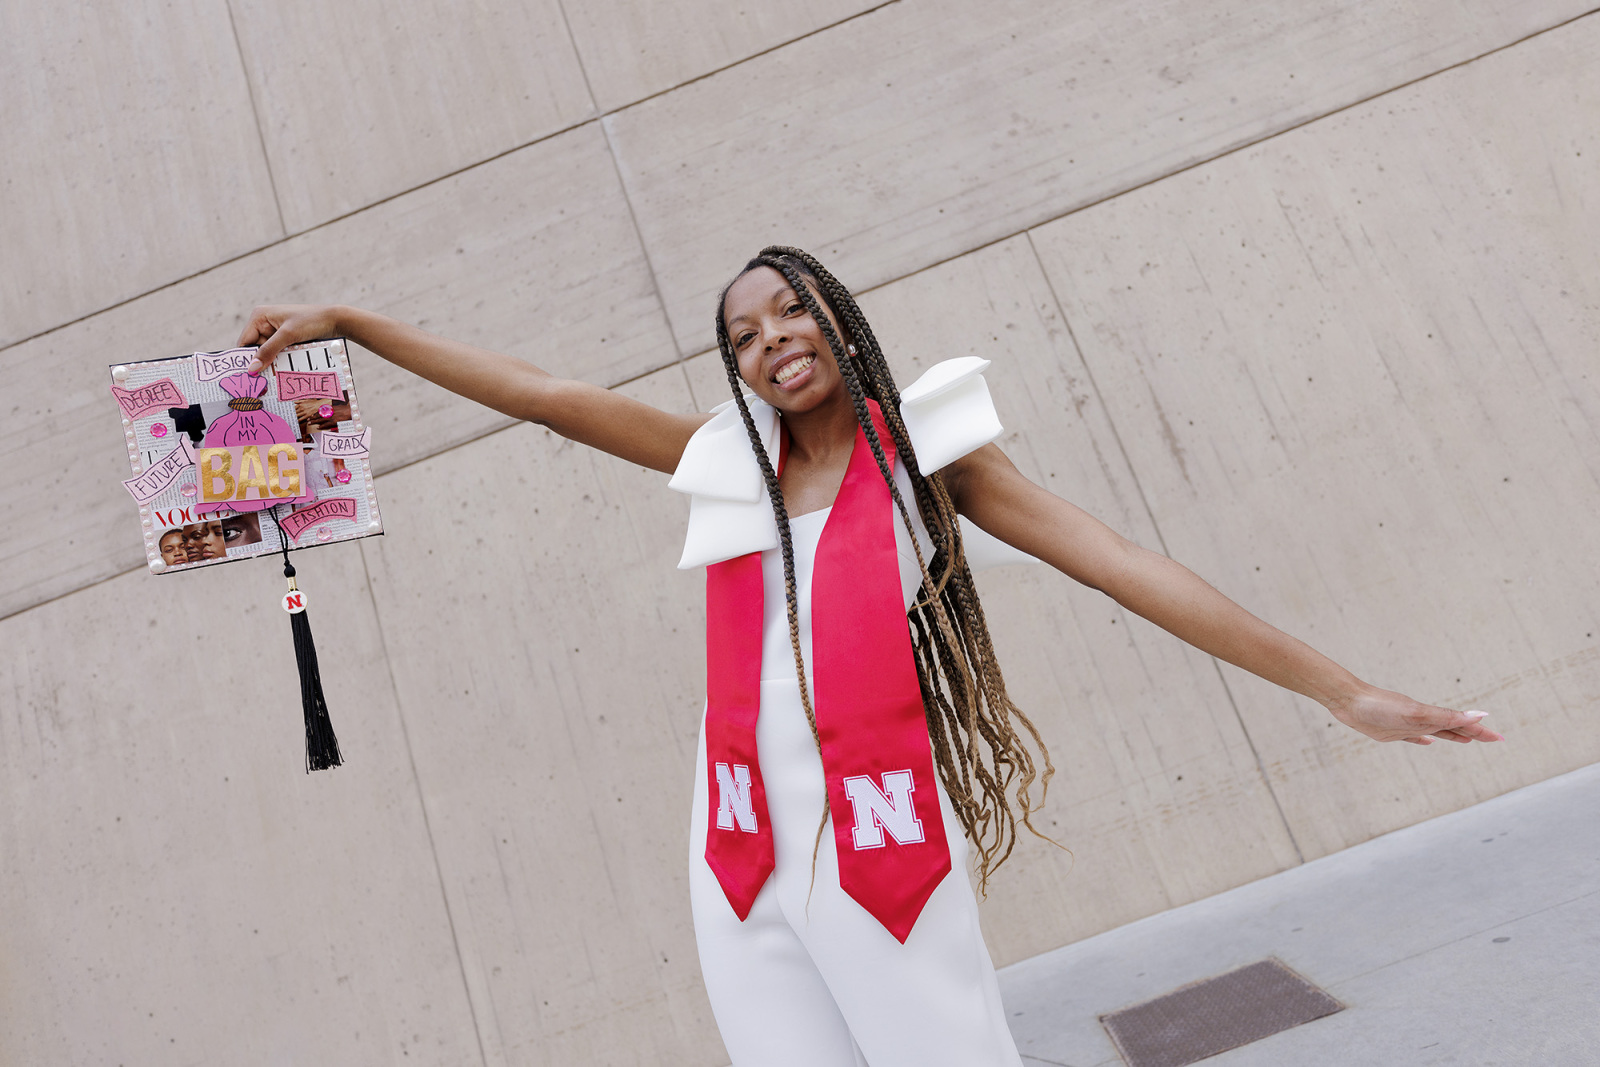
[947, 412]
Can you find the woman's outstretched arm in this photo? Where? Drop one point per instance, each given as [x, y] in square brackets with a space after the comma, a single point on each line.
[989, 490]
[576, 410]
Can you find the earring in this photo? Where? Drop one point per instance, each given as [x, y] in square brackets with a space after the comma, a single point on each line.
[851, 349]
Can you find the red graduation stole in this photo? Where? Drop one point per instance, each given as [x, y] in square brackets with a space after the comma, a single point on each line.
[876, 757]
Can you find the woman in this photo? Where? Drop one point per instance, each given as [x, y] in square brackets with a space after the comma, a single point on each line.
[845, 765]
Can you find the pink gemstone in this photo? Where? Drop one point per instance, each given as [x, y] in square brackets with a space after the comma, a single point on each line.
[158, 430]
[326, 411]
[188, 489]
[324, 533]
[343, 477]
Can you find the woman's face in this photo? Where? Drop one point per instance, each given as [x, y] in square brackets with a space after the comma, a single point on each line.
[783, 356]
[210, 542]
[172, 550]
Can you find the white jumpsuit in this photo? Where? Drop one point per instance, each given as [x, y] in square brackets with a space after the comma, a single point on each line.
[810, 979]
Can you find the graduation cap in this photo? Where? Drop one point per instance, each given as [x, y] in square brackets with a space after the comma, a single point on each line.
[215, 450]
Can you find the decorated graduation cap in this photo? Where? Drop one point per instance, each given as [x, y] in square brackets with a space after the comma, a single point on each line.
[229, 465]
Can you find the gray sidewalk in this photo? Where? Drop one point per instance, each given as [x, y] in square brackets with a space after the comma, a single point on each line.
[1472, 939]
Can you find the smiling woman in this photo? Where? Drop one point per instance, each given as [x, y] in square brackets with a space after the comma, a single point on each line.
[857, 733]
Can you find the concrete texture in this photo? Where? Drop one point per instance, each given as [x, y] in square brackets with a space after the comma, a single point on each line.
[357, 103]
[498, 878]
[965, 123]
[1471, 940]
[176, 890]
[631, 50]
[115, 179]
[1364, 321]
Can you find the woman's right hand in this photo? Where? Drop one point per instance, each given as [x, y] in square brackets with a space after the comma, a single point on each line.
[276, 326]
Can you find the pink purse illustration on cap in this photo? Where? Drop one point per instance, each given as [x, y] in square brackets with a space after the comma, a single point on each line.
[251, 459]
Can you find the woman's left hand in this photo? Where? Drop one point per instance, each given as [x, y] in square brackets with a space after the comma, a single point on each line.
[1386, 716]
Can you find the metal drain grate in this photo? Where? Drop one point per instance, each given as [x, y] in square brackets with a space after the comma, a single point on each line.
[1215, 1014]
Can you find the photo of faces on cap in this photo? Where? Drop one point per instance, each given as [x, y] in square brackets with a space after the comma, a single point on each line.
[209, 539]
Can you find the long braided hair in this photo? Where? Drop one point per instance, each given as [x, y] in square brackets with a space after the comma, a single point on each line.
[983, 759]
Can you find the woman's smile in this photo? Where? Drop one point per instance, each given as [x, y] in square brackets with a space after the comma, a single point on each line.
[791, 370]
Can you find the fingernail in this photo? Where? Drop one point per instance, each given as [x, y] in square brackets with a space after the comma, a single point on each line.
[1476, 715]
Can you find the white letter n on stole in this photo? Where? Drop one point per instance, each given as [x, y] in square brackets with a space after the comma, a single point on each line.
[887, 810]
[733, 798]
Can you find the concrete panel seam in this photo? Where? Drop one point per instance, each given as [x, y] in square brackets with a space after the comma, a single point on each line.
[577, 56]
[422, 804]
[683, 369]
[1088, 371]
[1224, 153]
[644, 249]
[299, 233]
[752, 56]
[255, 113]
[1133, 473]
[1261, 766]
[287, 236]
[1220, 155]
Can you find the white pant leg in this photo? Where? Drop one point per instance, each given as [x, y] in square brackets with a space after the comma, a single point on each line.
[932, 1001]
[771, 1004]
[929, 1002]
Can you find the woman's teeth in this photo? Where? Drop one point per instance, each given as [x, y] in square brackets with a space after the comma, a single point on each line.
[789, 370]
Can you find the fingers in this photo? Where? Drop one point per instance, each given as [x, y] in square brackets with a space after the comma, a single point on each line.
[1469, 726]
[276, 339]
[1454, 735]
[1394, 717]
[1479, 732]
[261, 325]
[1462, 728]
[268, 351]
[273, 329]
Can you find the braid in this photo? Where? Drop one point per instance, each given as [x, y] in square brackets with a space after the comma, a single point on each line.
[980, 740]
[786, 544]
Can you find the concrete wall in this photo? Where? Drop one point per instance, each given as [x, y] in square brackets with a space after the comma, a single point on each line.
[1305, 295]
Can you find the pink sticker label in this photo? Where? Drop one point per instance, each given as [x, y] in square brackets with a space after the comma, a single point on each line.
[303, 385]
[233, 475]
[336, 507]
[209, 366]
[153, 482]
[147, 398]
[345, 445]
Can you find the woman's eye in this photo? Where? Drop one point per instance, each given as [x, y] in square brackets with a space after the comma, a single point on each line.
[743, 339]
[796, 306]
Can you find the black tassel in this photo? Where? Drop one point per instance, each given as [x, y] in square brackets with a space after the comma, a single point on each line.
[322, 748]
